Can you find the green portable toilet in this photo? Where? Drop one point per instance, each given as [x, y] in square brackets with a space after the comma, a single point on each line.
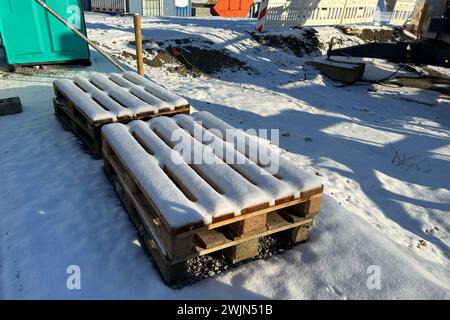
[32, 36]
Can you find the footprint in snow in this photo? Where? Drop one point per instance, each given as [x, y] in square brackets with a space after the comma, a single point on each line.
[19, 289]
[337, 292]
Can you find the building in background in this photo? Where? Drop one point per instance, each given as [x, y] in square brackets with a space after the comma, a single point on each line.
[151, 8]
[109, 6]
[86, 5]
[202, 8]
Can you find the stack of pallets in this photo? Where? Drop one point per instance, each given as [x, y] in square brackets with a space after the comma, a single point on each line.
[185, 208]
[85, 105]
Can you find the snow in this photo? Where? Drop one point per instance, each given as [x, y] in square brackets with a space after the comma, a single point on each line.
[340, 64]
[103, 97]
[218, 189]
[57, 208]
[207, 200]
[278, 189]
[229, 182]
[284, 170]
[83, 100]
[122, 96]
[155, 103]
[156, 90]
[171, 202]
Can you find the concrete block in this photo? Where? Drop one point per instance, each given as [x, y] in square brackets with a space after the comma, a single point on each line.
[347, 72]
[10, 106]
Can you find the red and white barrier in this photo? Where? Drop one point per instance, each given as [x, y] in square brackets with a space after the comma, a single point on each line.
[262, 15]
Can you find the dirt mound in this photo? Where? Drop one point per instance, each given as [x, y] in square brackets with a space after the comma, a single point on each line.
[303, 44]
[210, 61]
[162, 59]
[188, 56]
[374, 35]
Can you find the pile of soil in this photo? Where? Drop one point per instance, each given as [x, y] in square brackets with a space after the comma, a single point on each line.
[190, 59]
[162, 58]
[374, 35]
[210, 61]
[304, 44]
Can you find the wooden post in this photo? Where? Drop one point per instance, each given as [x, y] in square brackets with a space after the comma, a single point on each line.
[241, 229]
[138, 41]
[423, 14]
[298, 234]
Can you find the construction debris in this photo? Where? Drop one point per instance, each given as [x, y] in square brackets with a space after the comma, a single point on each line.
[347, 72]
[10, 106]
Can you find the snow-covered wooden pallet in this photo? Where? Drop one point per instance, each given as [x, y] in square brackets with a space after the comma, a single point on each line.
[85, 105]
[185, 208]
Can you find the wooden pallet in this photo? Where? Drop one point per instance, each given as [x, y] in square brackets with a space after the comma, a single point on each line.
[86, 132]
[287, 223]
[71, 110]
[235, 236]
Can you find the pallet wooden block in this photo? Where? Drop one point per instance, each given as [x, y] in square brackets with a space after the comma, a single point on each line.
[85, 105]
[188, 208]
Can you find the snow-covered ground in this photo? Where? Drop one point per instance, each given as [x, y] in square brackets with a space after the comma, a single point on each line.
[382, 153]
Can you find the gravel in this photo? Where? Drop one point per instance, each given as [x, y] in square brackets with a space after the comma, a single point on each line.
[210, 265]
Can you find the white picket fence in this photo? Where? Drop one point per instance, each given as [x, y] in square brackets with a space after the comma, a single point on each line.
[289, 13]
[402, 12]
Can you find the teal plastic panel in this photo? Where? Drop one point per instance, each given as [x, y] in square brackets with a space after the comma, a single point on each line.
[31, 35]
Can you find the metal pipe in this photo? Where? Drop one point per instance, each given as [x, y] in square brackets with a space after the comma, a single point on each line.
[78, 33]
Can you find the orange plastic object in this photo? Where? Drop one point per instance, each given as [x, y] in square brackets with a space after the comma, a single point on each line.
[232, 8]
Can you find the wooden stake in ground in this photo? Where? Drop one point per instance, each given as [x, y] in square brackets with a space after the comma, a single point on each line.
[138, 42]
[423, 14]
